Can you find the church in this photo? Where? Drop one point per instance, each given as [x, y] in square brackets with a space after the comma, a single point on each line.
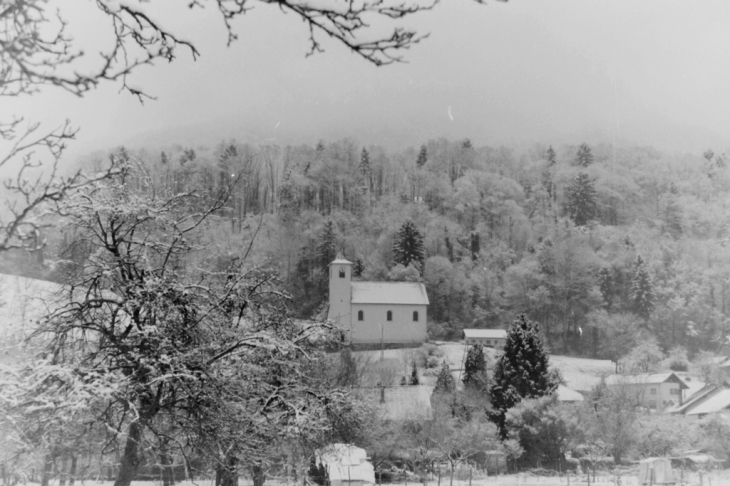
[376, 312]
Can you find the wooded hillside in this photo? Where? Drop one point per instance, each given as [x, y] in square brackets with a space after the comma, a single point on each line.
[605, 248]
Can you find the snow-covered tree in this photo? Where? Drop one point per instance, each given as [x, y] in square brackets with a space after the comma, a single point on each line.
[141, 349]
[582, 198]
[641, 292]
[408, 247]
[444, 380]
[521, 371]
[422, 157]
[584, 157]
[475, 368]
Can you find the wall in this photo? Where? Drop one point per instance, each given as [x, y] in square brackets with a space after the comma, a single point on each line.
[401, 329]
[339, 303]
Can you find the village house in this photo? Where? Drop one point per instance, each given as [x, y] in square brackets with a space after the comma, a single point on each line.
[494, 338]
[657, 391]
[376, 312]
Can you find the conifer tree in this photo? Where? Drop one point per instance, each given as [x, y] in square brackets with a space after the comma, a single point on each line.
[584, 157]
[414, 375]
[444, 380]
[550, 155]
[641, 292]
[582, 200]
[327, 250]
[475, 368]
[408, 246]
[358, 267]
[422, 157]
[364, 166]
[605, 285]
[521, 371]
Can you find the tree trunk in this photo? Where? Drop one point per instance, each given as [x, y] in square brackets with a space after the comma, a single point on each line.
[47, 465]
[130, 460]
[168, 477]
[72, 471]
[226, 474]
[259, 476]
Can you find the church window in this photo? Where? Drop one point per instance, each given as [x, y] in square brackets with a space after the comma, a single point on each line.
[342, 273]
[415, 316]
[360, 316]
[389, 316]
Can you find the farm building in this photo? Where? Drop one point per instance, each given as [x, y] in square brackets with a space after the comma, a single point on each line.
[494, 338]
[713, 398]
[657, 391]
[376, 312]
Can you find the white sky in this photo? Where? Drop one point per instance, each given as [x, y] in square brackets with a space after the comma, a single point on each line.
[650, 72]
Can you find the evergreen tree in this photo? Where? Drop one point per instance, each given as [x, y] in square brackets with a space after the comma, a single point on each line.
[582, 200]
[605, 285]
[475, 245]
[641, 292]
[163, 158]
[414, 375]
[521, 371]
[550, 156]
[327, 250]
[364, 166]
[358, 267]
[422, 157]
[584, 157]
[475, 368]
[444, 380]
[408, 246]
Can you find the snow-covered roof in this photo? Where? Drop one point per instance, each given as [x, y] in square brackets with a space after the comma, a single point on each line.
[645, 379]
[715, 403]
[566, 394]
[340, 261]
[485, 333]
[408, 293]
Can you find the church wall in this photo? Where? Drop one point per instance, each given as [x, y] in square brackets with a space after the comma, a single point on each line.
[401, 329]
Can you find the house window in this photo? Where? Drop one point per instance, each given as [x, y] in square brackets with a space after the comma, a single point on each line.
[652, 391]
[674, 391]
[342, 273]
[415, 316]
[389, 316]
[360, 315]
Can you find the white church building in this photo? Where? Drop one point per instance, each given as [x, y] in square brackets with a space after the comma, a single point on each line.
[375, 312]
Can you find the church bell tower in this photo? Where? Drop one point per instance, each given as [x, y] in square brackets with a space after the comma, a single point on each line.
[340, 276]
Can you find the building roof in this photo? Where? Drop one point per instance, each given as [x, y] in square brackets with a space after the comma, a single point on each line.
[566, 394]
[645, 379]
[485, 333]
[715, 403]
[409, 293]
[340, 261]
[346, 462]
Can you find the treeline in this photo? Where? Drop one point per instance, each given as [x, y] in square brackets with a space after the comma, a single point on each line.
[605, 247]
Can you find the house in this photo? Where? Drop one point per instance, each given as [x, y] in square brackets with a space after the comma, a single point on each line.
[376, 312]
[568, 395]
[657, 391]
[494, 338]
[713, 398]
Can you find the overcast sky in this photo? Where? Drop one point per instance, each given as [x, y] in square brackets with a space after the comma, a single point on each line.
[553, 71]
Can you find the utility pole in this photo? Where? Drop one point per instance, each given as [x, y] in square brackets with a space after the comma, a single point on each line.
[382, 345]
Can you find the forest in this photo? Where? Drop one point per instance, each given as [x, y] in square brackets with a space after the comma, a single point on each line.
[604, 246]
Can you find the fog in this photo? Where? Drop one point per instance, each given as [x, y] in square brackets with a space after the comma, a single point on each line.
[551, 71]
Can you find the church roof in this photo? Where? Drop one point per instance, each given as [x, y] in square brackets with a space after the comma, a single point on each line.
[408, 293]
[485, 333]
[340, 261]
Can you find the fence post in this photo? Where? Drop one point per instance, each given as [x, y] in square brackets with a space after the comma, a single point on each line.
[470, 475]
